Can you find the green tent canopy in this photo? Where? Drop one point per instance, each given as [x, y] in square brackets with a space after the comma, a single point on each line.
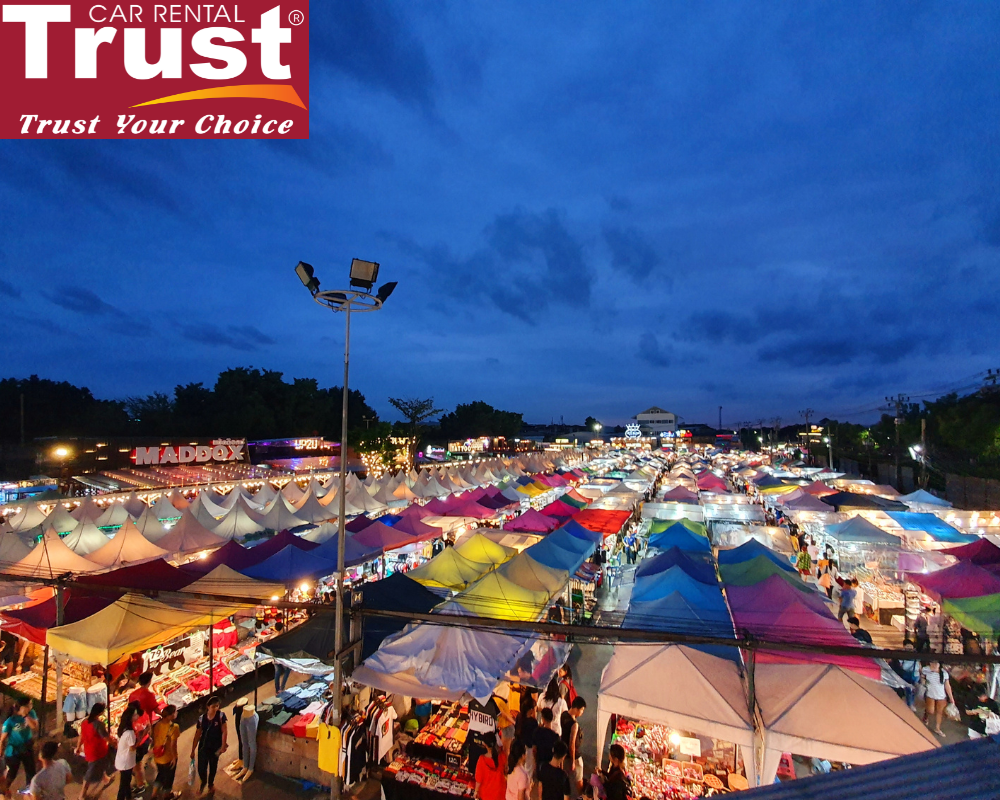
[756, 570]
[660, 525]
[978, 614]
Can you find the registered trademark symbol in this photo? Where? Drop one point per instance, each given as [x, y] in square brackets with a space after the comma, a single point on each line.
[296, 17]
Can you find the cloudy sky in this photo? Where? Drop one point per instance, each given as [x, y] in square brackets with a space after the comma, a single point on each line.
[590, 208]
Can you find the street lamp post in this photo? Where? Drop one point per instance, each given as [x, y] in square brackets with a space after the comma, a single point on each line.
[829, 450]
[363, 276]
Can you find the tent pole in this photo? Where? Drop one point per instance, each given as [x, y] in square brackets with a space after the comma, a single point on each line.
[45, 687]
[211, 657]
[60, 620]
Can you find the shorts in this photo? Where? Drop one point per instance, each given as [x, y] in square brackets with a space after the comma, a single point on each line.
[98, 693]
[577, 773]
[142, 750]
[165, 776]
[75, 703]
[96, 770]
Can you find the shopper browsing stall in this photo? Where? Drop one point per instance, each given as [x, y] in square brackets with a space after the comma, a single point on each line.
[125, 759]
[210, 738]
[938, 685]
[572, 736]
[94, 744]
[165, 735]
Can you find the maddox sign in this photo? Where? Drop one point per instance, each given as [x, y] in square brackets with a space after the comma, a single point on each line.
[86, 70]
[218, 450]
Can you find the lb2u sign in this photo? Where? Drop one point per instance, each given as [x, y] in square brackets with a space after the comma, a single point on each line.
[99, 70]
[218, 450]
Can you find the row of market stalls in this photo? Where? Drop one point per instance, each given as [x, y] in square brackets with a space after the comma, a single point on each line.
[714, 716]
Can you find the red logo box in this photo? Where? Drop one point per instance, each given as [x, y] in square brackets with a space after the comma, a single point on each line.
[100, 70]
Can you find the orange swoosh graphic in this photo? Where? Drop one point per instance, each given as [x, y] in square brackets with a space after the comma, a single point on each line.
[282, 92]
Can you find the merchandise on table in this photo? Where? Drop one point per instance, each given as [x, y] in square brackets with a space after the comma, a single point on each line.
[430, 775]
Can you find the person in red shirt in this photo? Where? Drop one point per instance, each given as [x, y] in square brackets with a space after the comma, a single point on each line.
[491, 774]
[142, 724]
[94, 741]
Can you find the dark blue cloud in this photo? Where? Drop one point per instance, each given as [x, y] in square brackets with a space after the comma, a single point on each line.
[631, 252]
[652, 353]
[9, 289]
[245, 338]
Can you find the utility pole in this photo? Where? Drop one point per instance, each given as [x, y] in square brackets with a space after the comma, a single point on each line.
[808, 412]
[720, 418]
[22, 419]
[776, 423]
[923, 453]
[899, 401]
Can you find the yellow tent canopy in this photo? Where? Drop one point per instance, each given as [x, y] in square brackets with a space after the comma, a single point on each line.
[131, 624]
[783, 489]
[449, 569]
[495, 595]
[479, 547]
[530, 574]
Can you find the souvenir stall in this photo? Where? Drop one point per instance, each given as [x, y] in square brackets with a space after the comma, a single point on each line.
[877, 559]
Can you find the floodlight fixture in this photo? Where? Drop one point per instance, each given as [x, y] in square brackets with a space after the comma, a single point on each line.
[385, 290]
[305, 273]
[364, 273]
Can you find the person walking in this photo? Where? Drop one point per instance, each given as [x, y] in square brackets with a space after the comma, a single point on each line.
[50, 781]
[17, 740]
[210, 740]
[572, 736]
[125, 756]
[921, 637]
[142, 724]
[491, 774]
[553, 782]
[553, 699]
[938, 693]
[518, 779]
[95, 745]
[847, 595]
[166, 732]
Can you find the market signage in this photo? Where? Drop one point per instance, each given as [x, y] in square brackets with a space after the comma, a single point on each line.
[86, 70]
[633, 431]
[218, 450]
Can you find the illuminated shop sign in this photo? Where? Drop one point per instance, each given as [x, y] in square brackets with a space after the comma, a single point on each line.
[218, 450]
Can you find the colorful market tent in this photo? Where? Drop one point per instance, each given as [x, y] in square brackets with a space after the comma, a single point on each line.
[382, 538]
[127, 546]
[130, 625]
[761, 602]
[978, 614]
[416, 511]
[664, 525]
[85, 539]
[682, 538]
[576, 529]
[964, 579]
[556, 508]
[675, 579]
[678, 687]
[858, 530]
[275, 544]
[232, 554]
[795, 703]
[752, 549]
[532, 521]
[291, 565]
[471, 509]
[354, 552]
[571, 501]
[982, 551]
[226, 582]
[50, 558]
[449, 569]
[818, 489]
[33, 621]
[478, 547]
[420, 531]
[498, 597]
[441, 662]
[679, 495]
[321, 533]
[924, 498]
[156, 575]
[528, 573]
[756, 570]
[189, 535]
[806, 502]
[697, 567]
[602, 521]
[675, 613]
[561, 550]
[932, 525]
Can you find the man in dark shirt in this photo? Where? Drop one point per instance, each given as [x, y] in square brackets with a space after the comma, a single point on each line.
[978, 710]
[552, 777]
[858, 632]
[617, 784]
[545, 739]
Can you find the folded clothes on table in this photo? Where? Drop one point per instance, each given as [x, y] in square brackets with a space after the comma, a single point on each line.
[280, 718]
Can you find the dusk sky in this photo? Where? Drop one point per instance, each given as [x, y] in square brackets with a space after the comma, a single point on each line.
[590, 208]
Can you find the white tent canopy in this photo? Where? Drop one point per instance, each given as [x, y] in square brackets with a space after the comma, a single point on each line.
[164, 509]
[30, 516]
[133, 505]
[241, 521]
[150, 525]
[188, 535]
[49, 559]
[676, 686]
[87, 511]
[114, 516]
[799, 705]
[127, 546]
[85, 538]
[60, 520]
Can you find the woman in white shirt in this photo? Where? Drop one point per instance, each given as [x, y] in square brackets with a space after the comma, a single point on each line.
[554, 699]
[938, 684]
[125, 755]
[518, 779]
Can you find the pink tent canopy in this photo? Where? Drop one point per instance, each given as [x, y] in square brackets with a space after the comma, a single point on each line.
[531, 521]
[774, 594]
[492, 490]
[788, 625]
[557, 508]
[557, 480]
[379, 536]
[711, 482]
[278, 543]
[545, 479]
[437, 506]
[818, 489]
[806, 502]
[417, 529]
[680, 495]
[416, 512]
[981, 551]
[478, 492]
[471, 509]
[965, 579]
[580, 498]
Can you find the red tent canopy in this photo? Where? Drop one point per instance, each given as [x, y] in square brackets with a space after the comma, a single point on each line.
[379, 536]
[278, 543]
[712, 482]
[358, 524]
[531, 521]
[557, 508]
[232, 554]
[415, 512]
[680, 495]
[982, 551]
[602, 520]
[157, 575]
[471, 509]
[417, 529]
[819, 489]
[32, 622]
[577, 496]
[437, 506]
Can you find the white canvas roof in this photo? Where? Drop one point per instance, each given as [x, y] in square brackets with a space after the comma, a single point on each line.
[795, 702]
[114, 515]
[85, 539]
[164, 509]
[178, 500]
[188, 535]
[311, 510]
[12, 548]
[87, 510]
[60, 520]
[241, 521]
[359, 498]
[281, 516]
[226, 582]
[265, 494]
[51, 558]
[30, 516]
[149, 525]
[291, 491]
[676, 686]
[127, 546]
[133, 505]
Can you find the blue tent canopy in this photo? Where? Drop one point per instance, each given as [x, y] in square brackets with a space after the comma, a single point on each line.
[698, 568]
[680, 537]
[291, 565]
[561, 550]
[750, 550]
[932, 525]
[576, 529]
[676, 614]
[354, 553]
[675, 579]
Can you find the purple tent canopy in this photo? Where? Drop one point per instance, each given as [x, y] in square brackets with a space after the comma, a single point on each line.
[965, 579]
[382, 537]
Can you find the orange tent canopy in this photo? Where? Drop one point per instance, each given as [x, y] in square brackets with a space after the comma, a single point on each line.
[601, 520]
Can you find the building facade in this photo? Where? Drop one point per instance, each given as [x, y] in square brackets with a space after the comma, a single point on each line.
[655, 421]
